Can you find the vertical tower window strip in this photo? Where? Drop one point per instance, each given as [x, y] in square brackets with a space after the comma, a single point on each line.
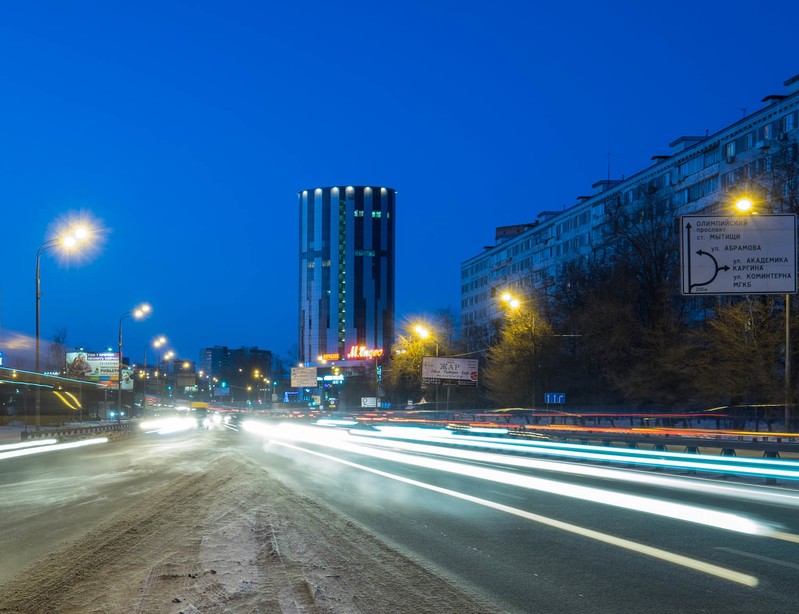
[342, 264]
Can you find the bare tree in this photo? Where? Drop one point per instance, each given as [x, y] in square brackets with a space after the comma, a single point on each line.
[57, 351]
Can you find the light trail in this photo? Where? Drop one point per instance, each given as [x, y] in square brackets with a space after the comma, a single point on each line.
[698, 485]
[52, 448]
[27, 444]
[765, 468]
[337, 439]
[167, 426]
[663, 555]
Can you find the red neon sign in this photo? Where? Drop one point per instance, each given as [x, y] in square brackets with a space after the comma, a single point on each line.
[361, 351]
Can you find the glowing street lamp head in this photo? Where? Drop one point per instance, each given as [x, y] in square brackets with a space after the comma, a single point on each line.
[510, 300]
[80, 233]
[72, 236]
[744, 205]
[421, 331]
[141, 311]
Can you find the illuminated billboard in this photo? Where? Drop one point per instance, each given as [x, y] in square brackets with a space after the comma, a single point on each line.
[449, 371]
[99, 367]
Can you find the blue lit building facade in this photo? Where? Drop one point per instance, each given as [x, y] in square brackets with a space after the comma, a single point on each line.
[698, 174]
[346, 272]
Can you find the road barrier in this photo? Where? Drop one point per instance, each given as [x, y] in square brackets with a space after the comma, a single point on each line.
[78, 432]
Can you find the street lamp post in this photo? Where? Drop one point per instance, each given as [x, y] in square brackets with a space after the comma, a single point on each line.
[514, 303]
[137, 313]
[157, 343]
[423, 333]
[69, 240]
[745, 205]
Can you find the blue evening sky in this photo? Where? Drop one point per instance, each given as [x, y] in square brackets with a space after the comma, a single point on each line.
[186, 130]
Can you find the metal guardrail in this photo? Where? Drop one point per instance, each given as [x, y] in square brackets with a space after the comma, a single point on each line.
[67, 432]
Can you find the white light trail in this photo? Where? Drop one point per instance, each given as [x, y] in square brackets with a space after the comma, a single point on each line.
[52, 448]
[663, 555]
[673, 460]
[699, 485]
[27, 444]
[677, 511]
[166, 426]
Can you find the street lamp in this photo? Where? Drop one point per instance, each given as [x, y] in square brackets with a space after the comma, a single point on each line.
[514, 304]
[68, 241]
[156, 343]
[424, 333]
[745, 205]
[510, 300]
[138, 313]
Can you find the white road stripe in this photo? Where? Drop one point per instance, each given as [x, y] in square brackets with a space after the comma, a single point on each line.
[759, 557]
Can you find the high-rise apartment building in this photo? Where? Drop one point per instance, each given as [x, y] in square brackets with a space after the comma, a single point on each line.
[346, 293]
[698, 175]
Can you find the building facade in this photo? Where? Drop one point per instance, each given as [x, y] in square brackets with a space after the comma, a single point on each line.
[346, 272]
[697, 175]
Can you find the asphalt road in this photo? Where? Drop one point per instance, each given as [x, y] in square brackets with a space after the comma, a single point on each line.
[50, 498]
[535, 564]
[527, 550]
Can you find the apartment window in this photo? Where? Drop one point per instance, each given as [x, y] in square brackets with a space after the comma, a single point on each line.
[767, 133]
[694, 165]
[730, 150]
[788, 122]
[750, 140]
[712, 156]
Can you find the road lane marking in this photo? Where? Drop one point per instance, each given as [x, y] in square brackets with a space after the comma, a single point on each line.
[663, 555]
[787, 537]
[759, 557]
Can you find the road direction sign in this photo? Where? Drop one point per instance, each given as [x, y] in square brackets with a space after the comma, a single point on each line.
[554, 397]
[303, 377]
[752, 254]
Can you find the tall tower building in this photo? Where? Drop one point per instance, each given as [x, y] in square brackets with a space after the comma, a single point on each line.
[346, 271]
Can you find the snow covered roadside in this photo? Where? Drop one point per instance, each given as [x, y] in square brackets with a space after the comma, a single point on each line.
[230, 539]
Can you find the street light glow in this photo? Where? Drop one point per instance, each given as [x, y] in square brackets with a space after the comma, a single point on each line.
[137, 313]
[421, 331]
[744, 205]
[141, 311]
[510, 300]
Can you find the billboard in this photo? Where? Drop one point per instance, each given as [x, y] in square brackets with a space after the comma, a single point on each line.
[99, 367]
[303, 377]
[449, 371]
